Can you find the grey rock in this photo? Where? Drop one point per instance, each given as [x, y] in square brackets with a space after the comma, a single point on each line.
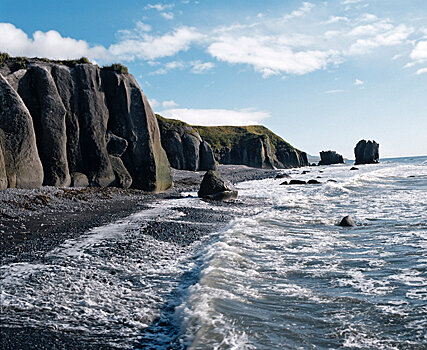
[207, 158]
[48, 114]
[347, 221]
[330, 157]
[214, 186]
[366, 152]
[3, 176]
[132, 118]
[116, 146]
[123, 178]
[79, 180]
[313, 182]
[22, 162]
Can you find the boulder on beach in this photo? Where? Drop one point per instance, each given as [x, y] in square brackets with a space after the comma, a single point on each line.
[79, 180]
[214, 186]
[282, 176]
[313, 182]
[354, 168]
[366, 152]
[330, 157]
[297, 182]
[347, 221]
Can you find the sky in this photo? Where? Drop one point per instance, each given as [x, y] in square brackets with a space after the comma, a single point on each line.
[321, 74]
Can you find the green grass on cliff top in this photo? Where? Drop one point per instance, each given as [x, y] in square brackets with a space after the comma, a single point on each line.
[227, 136]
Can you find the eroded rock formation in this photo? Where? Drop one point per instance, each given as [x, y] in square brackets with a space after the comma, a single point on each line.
[63, 123]
[366, 152]
[330, 157]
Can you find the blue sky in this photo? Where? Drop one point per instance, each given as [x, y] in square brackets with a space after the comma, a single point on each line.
[321, 74]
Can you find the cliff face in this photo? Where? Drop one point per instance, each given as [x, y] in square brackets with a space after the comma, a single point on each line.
[62, 122]
[184, 147]
[330, 157]
[254, 146]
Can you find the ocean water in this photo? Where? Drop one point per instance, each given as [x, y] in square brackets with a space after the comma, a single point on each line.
[281, 275]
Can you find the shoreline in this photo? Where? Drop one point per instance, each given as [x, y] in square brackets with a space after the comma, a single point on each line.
[34, 221]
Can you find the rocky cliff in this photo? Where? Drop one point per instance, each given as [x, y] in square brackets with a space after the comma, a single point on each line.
[255, 146]
[75, 123]
[184, 147]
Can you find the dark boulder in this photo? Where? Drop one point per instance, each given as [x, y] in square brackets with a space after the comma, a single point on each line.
[354, 168]
[123, 178]
[214, 186]
[116, 146]
[330, 157]
[347, 221]
[207, 158]
[79, 180]
[366, 152]
[297, 182]
[21, 159]
[284, 183]
[332, 180]
[282, 176]
[313, 182]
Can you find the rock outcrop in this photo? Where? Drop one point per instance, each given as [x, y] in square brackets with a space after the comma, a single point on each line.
[330, 157]
[214, 186]
[64, 122]
[366, 152]
[347, 221]
[184, 147]
[254, 146]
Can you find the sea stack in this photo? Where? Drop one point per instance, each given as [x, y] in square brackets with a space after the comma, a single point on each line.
[366, 152]
[330, 157]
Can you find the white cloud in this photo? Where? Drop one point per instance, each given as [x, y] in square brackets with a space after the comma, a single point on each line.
[348, 2]
[421, 71]
[159, 7]
[389, 37]
[199, 67]
[151, 47]
[358, 82]
[268, 53]
[154, 103]
[336, 19]
[46, 44]
[333, 91]
[419, 53]
[167, 15]
[169, 104]
[305, 8]
[211, 117]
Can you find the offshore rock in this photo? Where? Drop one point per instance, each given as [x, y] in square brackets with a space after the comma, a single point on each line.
[215, 187]
[347, 221]
[366, 152]
[330, 157]
[21, 160]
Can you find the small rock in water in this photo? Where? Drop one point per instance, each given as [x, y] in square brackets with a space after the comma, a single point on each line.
[313, 182]
[297, 182]
[214, 186]
[347, 221]
[284, 183]
[305, 172]
[354, 168]
[281, 176]
[331, 180]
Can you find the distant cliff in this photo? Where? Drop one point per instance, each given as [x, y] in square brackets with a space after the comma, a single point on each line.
[255, 146]
[74, 123]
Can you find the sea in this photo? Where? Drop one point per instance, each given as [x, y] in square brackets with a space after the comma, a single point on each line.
[281, 274]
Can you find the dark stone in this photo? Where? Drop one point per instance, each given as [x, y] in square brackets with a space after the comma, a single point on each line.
[330, 157]
[305, 172]
[207, 158]
[116, 146]
[282, 176]
[22, 163]
[123, 178]
[354, 168]
[347, 221]
[214, 186]
[79, 180]
[366, 152]
[313, 182]
[297, 182]
[331, 180]
[284, 183]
